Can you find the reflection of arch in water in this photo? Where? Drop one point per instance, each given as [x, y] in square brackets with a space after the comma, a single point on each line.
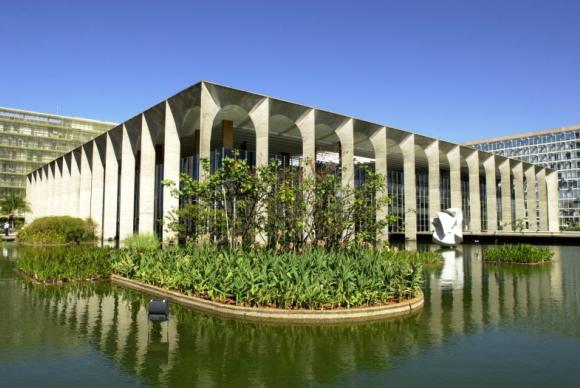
[113, 321]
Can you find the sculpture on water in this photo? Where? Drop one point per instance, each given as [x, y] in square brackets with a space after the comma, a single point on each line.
[448, 227]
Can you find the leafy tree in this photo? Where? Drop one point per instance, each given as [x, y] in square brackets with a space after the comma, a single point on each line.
[238, 205]
[13, 204]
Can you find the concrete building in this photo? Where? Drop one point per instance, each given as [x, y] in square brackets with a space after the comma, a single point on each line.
[558, 149]
[29, 140]
[116, 178]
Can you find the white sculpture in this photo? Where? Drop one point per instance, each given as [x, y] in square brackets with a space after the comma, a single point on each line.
[448, 227]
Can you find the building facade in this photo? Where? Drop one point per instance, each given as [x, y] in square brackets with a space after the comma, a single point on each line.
[558, 149]
[29, 140]
[116, 178]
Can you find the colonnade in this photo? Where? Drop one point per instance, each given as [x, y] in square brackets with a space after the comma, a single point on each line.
[112, 178]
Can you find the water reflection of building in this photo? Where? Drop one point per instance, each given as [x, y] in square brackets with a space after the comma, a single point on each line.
[210, 351]
[493, 293]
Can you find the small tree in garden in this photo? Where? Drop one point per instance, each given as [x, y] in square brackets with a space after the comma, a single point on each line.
[13, 204]
[238, 202]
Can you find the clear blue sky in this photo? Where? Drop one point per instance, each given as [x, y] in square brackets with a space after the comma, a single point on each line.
[456, 70]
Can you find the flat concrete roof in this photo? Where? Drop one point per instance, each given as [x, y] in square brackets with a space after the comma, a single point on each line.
[526, 134]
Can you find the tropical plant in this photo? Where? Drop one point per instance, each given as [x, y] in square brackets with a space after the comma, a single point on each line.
[571, 228]
[65, 264]
[142, 242]
[315, 278]
[517, 253]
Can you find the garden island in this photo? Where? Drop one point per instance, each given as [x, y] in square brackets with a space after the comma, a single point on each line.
[221, 262]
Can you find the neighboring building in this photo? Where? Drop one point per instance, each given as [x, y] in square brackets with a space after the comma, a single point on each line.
[116, 178]
[558, 149]
[29, 140]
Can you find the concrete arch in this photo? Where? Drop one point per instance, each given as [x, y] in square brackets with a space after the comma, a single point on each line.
[231, 127]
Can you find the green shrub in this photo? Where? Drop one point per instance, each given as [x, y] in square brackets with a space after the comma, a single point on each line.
[63, 264]
[142, 242]
[571, 228]
[57, 230]
[314, 279]
[518, 253]
[429, 258]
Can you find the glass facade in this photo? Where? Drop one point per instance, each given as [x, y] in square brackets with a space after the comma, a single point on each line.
[559, 150]
[396, 192]
[29, 140]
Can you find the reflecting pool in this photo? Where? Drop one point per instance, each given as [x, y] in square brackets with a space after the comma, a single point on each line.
[482, 325]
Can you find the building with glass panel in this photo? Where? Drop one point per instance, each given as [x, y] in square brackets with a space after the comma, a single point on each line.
[29, 140]
[558, 149]
[116, 178]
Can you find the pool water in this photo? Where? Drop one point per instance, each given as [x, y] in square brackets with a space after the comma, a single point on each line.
[482, 325]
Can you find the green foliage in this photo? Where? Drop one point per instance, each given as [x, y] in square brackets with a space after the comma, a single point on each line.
[12, 203]
[65, 264]
[57, 230]
[519, 225]
[518, 253]
[315, 278]
[142, 242]
[571, 228]
[237, 204]
[430, 258]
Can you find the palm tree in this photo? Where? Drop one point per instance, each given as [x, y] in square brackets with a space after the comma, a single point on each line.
[13, 204]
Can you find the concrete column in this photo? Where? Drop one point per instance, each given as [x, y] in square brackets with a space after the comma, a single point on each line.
[506, 195]
[409, 181]
[553, 201]
[37, 198]
[543, 203]
[209, 110]
[66, 208]
[171, 165]
[50, 194]
[455, 176]
[345, 133]
[75, 182]
[227, 134]
[530, 173]
[127, 205]
[379, 142]
[474, 197]
[432, 153]
[111, 190]
[85, 181]
[518, 172]
[59, 187]
[260, 116]
[28, 198]
[34, 205]
[45, 190]
[97, 183]
[42, 190]
[490, 193]
[307, 127]
[146, 180]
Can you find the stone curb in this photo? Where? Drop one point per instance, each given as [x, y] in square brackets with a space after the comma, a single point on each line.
[359, 314]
